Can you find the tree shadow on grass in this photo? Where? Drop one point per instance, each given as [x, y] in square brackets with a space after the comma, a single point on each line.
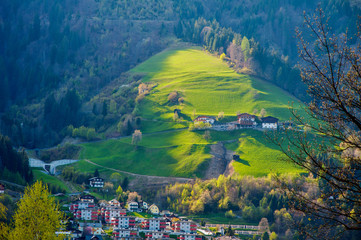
[244, 162]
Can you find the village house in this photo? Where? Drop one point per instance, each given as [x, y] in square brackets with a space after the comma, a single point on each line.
[189, 237]
[286, 125]
[154, 224]
[103, 203]
[87, 198]
[143, 205]
[74, 234]
[96, 182]
[227, 238]
[269, 122]
[125, 234]
[114, 202]
[156, 235]
[95, 225]
[133, 206]
[87, 214]
[78, 205]
[2, 188]
[184, 226]
[153, 209]
[109, 212]
[246, 120]
[166, 213]
[123, 222]
[205, 119]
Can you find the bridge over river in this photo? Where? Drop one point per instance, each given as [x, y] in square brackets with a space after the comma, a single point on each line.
[50, 167]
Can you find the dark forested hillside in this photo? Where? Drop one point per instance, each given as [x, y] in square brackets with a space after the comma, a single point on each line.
[14, 166]
[62, 54]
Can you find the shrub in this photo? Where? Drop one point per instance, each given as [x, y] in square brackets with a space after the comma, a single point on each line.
[173, 97]
[230, 214]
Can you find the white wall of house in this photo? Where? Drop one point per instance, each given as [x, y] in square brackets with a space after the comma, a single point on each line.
[154, 224]
[269, 125]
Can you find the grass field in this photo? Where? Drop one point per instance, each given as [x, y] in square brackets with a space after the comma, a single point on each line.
[140, 215]
[185, 154]
[258, 156]
[219, 218]
[180, 153]
[39, 175]
[207, 85]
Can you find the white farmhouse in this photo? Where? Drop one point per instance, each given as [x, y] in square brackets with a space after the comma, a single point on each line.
[269, 122]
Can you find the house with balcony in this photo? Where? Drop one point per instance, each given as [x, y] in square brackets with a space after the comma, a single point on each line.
[125, 234]
[96, 182]
[189, 237]
[133, 206]
[109, 212]
[246, 120]
[269, 122]
[154, 224]
[123, 222]
[184, 226]
[87, 198]
[156, 235]
[114, 203]
[205, 119]
[88, 214]
[81, 205]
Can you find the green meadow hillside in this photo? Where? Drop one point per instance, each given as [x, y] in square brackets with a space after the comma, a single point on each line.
[207, 86]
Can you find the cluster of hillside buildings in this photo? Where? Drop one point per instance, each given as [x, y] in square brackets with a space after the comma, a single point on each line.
[126, 226]
[244, 120]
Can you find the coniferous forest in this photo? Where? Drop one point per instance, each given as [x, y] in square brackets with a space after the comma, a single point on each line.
[59, 55]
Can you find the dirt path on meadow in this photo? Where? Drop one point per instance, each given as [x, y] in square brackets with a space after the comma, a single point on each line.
[221, 162]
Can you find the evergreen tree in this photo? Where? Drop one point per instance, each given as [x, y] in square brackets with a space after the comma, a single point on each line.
[94, 110]
[96, 173]
[265, 236]
[229, 231]
[105, 109]
[35, 31]
[125, 183]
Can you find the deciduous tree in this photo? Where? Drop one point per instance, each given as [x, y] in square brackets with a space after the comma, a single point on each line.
[331, 68]
[263, 112]
[38, 215]
[136, 137]
[4, 228]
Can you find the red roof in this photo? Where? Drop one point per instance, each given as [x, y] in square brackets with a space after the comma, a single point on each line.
[199, 118]
[245, 115]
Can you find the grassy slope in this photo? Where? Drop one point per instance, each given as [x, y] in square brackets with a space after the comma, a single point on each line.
[209, 86]
[180, 153]
[258, 157]
[184, 153]
[39, 175]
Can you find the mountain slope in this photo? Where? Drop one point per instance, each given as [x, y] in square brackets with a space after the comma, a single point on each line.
[208, 85]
